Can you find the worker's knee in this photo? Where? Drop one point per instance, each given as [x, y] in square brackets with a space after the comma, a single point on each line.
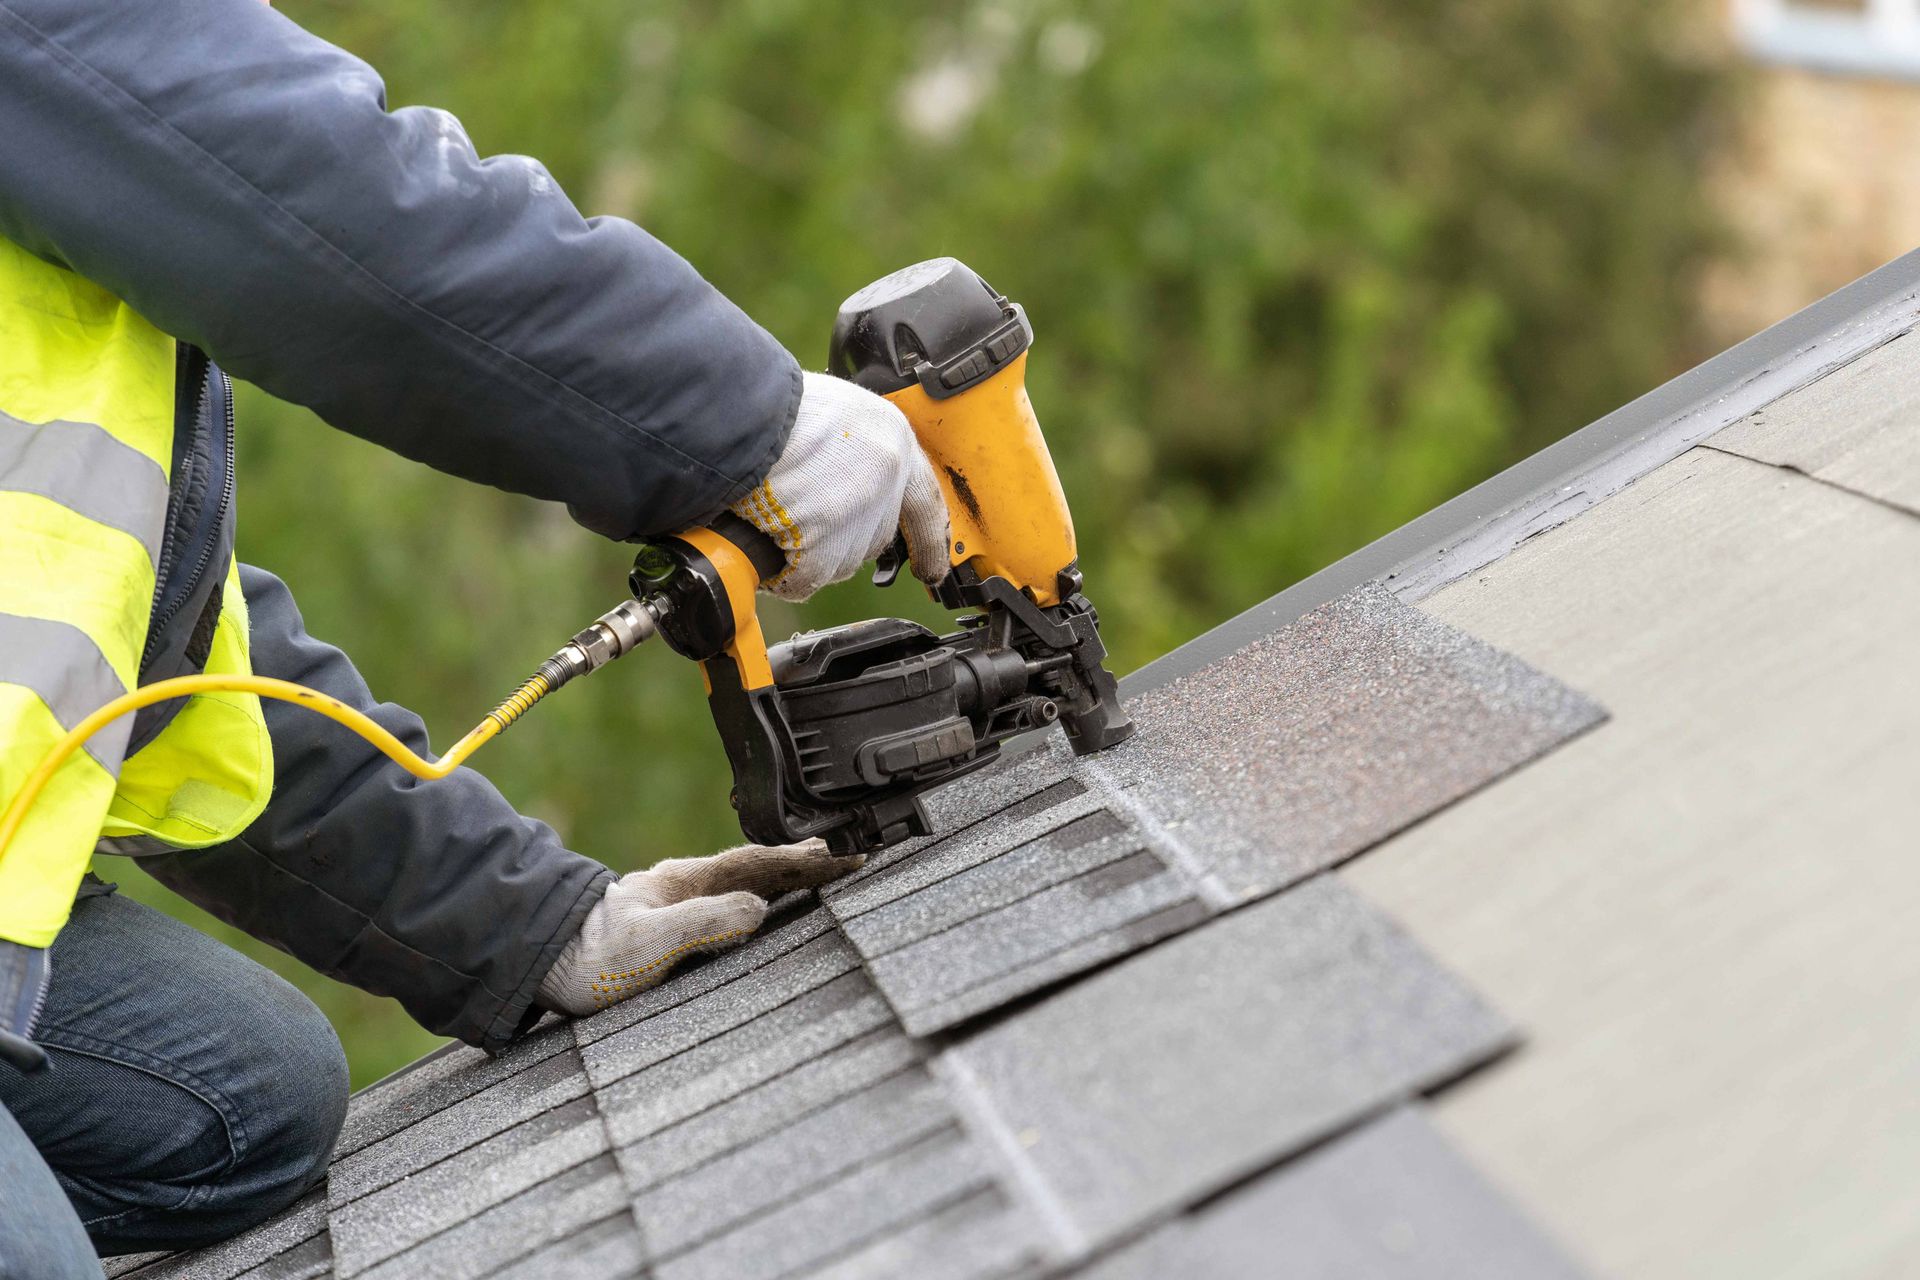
[184, 1152]
[276, 1106]
[192, 1093]
[291, 1103]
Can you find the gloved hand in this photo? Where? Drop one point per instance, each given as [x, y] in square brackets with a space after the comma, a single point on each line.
[651, 920]
[23, 985]
[851, 475]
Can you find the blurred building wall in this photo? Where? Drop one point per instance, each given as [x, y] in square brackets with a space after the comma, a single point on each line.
[1821, 182]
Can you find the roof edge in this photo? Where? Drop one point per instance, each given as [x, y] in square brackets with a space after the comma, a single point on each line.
[1567, 477]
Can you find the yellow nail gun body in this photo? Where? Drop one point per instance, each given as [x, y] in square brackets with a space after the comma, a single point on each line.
[838, 733]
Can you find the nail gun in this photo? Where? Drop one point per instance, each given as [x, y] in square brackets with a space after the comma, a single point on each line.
[838, 733]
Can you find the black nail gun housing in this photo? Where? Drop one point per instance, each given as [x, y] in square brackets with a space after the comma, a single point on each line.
[860, 720]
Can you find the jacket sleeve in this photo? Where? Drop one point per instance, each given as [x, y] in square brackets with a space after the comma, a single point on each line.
[435, 893]
[241, 183]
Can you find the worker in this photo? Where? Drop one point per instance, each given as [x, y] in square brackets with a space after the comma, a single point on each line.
[188, 186]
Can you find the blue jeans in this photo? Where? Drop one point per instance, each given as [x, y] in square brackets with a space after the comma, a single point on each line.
[189, 1094]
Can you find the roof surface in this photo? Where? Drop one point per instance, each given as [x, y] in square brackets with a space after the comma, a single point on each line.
[1140, 1014]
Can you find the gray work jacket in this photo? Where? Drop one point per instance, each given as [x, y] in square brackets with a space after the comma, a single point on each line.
[242, 185]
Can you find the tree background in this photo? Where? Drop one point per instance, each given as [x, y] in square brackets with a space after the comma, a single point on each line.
[1299, 271]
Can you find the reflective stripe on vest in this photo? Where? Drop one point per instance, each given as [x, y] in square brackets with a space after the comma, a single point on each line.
[86, 440]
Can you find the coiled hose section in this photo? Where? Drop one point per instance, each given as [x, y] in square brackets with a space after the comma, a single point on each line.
[536, 687]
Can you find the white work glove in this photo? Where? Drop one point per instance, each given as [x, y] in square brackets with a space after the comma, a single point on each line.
[651, 920]
[851, 475]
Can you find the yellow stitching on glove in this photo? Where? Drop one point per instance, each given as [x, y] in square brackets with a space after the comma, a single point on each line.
[618, 979]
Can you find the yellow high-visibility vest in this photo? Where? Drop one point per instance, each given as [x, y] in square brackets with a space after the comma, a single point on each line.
[86, 444]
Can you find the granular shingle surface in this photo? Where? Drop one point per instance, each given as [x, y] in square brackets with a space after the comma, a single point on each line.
[839, 1215]
[602, 1250]
[401, 1214]
[1388, 1201]
[1280, 760]
[296, 1236]
[655, 1149]
[1166, 1077]
[493, 1110]
[437, 1082]
[549, 1216]
[1109, 989]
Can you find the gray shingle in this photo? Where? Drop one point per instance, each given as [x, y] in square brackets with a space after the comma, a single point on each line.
[1056, 966]
[651, 1155]
[840, 1214]
[310, 1261]
[718, 1196]
[397, 1217]
[1321, 740]
[554, 1213]
[438, 1081]
[468, 1122]
[285, 1232]
[952, 963]
[608, 1250]
[980, 1236]
[694, 1021]
[1271, 764]
[1176, 1072]
[1389, 1201]
[907, 914]
[727, 1065]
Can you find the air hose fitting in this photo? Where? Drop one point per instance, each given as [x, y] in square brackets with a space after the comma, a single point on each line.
[614, 634]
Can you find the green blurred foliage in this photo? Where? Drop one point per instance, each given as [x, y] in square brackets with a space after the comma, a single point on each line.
[1300, 271]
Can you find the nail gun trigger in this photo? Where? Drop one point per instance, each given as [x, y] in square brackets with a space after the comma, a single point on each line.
[887, 567]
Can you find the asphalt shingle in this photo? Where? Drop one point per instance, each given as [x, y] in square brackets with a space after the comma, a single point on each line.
[930, 982]
[1388, 1201]
[839, 1215]
[310, 1261]
[1174, 1073]
[1284, 758]
[1058, 966]
[1326, 737]
[296, 1238]
[785, 1165]
[651, 1153]
[500, 1106]
[980, 1236]
[438, 1081]
[694, 1021]
[606, 1250]
[556, 1214]
[753, 1053]
[398, 1216]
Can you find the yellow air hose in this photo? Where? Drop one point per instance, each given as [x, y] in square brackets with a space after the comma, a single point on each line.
[612, 635]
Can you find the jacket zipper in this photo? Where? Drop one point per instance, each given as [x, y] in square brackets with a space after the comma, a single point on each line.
[170, 546]
[39, 1005]
[158, 626]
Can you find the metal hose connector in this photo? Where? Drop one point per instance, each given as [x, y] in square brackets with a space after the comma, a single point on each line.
[614, 634]
[531, 690]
